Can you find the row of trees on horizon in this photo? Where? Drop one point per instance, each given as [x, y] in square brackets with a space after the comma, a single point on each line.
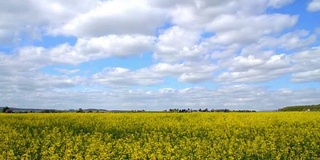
[207, 110]
[80, 110]
[315, 107]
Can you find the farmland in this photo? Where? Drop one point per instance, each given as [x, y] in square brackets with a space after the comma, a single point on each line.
[261, 135]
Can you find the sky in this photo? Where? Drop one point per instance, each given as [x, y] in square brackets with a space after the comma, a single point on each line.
[159, 54]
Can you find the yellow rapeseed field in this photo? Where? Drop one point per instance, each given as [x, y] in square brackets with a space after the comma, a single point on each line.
[270, 135]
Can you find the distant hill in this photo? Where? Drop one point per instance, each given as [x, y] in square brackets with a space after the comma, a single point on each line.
[315, 107]
[23, 109]
[55, 110]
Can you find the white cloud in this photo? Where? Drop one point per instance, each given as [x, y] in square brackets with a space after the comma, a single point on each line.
[252, 69]
[307, 76]
[116, 17]
[89, 49]
[317, 30]
[191, 41]
[235, 29]
[261, 22]
[32, 81]
[279, 3]
[169, 69]
[114, 45]
[314, 6]
[177, 44]
[245, 97]
[260, 67]
[201, 14]
[244, 63]
[184, 72]
[14, 65]
[125, 77]
[194, 77]
[198, 15]
[33, 18]
[292, 40]
[67, 71]
[225, 51]
[306, 65]
[189, 72]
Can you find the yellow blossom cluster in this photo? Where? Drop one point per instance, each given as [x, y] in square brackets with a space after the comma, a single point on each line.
[261, 135]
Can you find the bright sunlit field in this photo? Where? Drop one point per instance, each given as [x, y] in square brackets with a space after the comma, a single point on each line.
[270, 135]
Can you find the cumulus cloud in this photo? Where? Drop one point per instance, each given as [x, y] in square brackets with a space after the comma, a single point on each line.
[202, 14]
[177, 43]
[235, 29]
[241, 63]
[194, 77]
[189, 72]
[67, 71]
[251, 69]
[88, 49]
[33, 81]
[289, 41]
[279, 3]
[184, 72]
[113, 45]
[125, 77]
[231, 96]
[317, 31]
[306, 68]
[200, 43]
[116, 17]
[314, 6]
[307, 76]
[33, 18]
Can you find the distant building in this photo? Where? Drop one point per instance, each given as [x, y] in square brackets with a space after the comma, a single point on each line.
[9, 111]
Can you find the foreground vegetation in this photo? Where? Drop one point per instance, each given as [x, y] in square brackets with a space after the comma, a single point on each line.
[276, 135]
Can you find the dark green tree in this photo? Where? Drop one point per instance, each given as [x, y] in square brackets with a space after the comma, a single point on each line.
[80, 110]
[5, 109]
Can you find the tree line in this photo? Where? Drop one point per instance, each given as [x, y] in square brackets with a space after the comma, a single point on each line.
[207, 110]
[315, 107]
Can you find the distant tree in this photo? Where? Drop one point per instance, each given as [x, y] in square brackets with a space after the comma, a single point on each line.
[315, 107]
[226, 110]
[49, 111]
[80, 110]
[45, 111]
[5, 109]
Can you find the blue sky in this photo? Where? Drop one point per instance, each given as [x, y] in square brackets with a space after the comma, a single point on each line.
[157, 55]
